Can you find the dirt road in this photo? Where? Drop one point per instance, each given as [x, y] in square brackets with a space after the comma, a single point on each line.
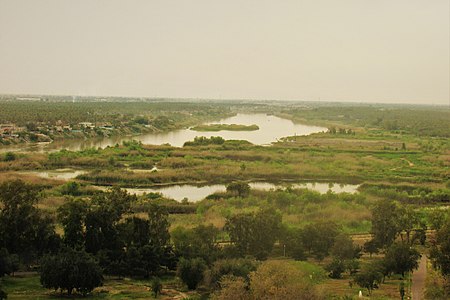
[418, 279]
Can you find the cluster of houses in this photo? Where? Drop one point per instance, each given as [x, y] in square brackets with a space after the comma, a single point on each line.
[11, 131]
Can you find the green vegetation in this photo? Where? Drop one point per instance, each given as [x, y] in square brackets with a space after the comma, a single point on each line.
[229, 127]
[242, 242]
[70, 270]
[37, 121]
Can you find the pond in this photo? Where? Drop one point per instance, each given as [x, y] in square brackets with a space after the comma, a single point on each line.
[196, 193]
[271, 129]
[61, 174]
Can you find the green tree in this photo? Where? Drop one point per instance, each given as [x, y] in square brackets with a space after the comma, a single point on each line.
[318, 238]
[24, 229]
[158, 217]
[335, 268]
[385, 223]
[440, 253]
[146, 245]
[156, 286]
[240, 267]
[401, 258]
[197, 242]
[408, 221]
[369, 278]
[254, 233]
[72, 216]
[291, 239]
[70, 270]
[370, 247]
[437, 218]
[240, 189]
[191, 271]
[102, 219]
[344, 248]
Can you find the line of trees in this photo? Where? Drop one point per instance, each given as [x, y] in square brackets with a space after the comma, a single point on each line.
[104, 236]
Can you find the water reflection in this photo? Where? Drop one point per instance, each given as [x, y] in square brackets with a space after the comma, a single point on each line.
[195, 193]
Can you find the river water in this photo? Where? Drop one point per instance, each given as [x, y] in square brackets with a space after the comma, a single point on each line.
[196, 193]
[271, 129]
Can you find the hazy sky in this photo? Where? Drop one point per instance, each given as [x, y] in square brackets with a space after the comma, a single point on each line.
[344, 50]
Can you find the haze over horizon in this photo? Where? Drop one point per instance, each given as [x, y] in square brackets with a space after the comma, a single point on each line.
[350, 50]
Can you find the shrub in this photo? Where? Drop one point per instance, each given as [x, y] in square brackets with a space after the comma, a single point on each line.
[156, 286]
[9, 156]
[230, 267]
[191, 271]
[336, 268]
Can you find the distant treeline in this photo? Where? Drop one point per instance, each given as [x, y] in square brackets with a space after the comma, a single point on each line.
[420, 121]
[23, 112]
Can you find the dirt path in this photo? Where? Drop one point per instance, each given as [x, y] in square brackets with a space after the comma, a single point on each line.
[418, 279]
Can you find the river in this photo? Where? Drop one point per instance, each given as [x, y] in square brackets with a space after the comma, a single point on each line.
[271, 129]
[196, 193]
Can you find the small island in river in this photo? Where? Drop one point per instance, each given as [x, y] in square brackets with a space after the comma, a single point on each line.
[229, 127]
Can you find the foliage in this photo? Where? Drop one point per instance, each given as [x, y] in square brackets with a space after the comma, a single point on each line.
[335, 268]
[385, 222]
[437, 218]
[254, 233]
[71, 188]
[369, 277]
[440, 253]
[421, 121]
[197, 242]
[370, 247]
[401, 258]
[103, 217]
[72, 216]
[232, 288]
[70, 270]
[191, 271]
[9, 263]
[281, 280]
[344, 248]
[240, 189]
[293, 243]
[204, 141]
[318, 238]
[156, 286]
[9, 156]
[240, 267]
[24, 229]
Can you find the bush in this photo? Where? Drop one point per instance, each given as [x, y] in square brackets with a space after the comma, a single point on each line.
[336, 268]
[71, 270]
[191, 271]
[9, 156]
[230, 267]
[71, 188]
[156, 286]
[240, 189]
